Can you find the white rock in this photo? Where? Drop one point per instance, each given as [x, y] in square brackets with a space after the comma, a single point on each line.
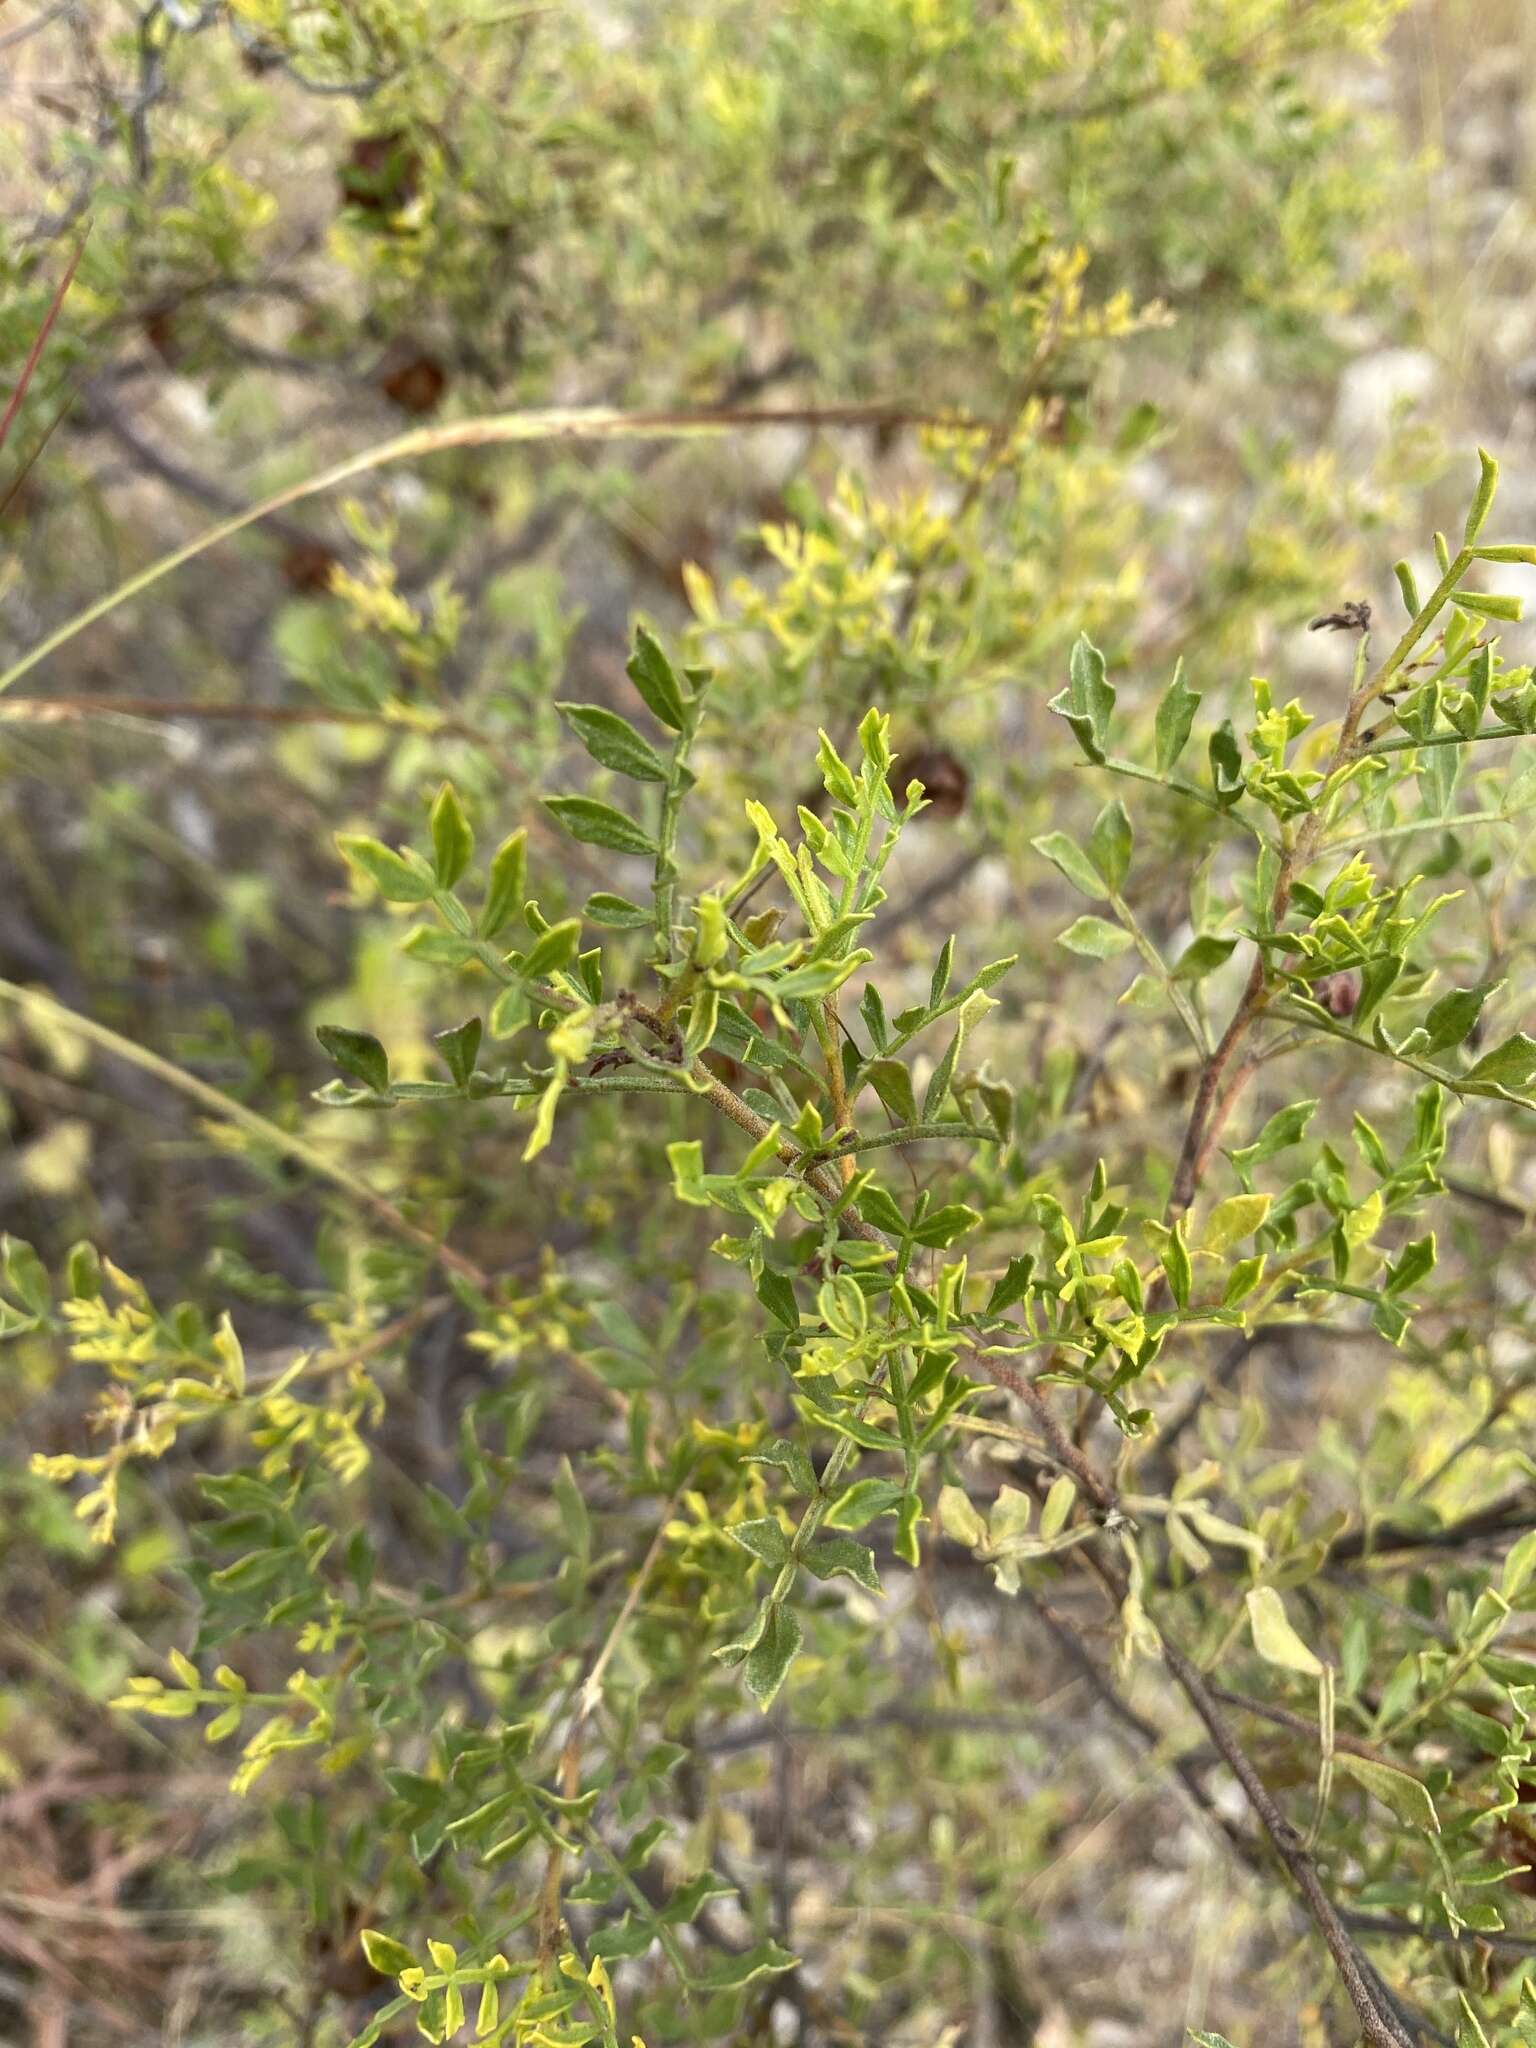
[1374, 389]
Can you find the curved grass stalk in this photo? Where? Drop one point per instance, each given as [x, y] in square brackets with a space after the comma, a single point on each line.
[567, 423]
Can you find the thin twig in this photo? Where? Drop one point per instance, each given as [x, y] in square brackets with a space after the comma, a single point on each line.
[35, 353]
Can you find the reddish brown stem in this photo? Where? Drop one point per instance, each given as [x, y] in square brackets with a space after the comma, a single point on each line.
[35, 353]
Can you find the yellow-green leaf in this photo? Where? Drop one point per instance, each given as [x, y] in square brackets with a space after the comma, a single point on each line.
[1274, 1638]
[1233, 1220]
[1399, 1791]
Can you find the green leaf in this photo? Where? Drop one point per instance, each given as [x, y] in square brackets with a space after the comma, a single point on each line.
[510, 1011]
[771, 1656]
[790, 1459]
[357, 1053]
[685, 1902]
[834, 1555]
[1507, 1071]
[452, 840]
[613, 742]
[1519, 1567]
[877, 1206]
[892, 1082]
[777, 1294]
[1490, 604]
[687, 1160]
[1204, 2040]
[1058, 1506]
[1176, 1265]
[1275, 1639]
[729, 1973]
[616, 913]
[460, 1047]
[942, 968]
[1226, 758]
[653, 676]
[1012, 1286]
[1068, 856]
[1110, 843]
[959, 1517]
[1482, 502]
[1451, 1019]
[1239, 1216]
[1242, 1279]
[551, 950]
[1095, 938]
[1175, 719]
[1285, 1128]
[1202, 956]
[940, 1078]
[82, 1272]
[1088, 700]
[944, 1225]
[1469, 2033]
[385, 1955]
[1216, 1529]
[396, 880]
[1413, 1263]
[1398, 1791]
[763, 1537]
[596, 824]
[862, 1502]
[620, 1942]
[544, 1117]
[507, 884]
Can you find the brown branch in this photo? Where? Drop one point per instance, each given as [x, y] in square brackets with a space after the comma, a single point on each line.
[1145, 1732]
[101, 412]
[1489, 1198]
[1066, 1453]
[1219, 1088]
[1511, 1515]
[1282, 1717]
[1408, 1930]
[1379, 2021]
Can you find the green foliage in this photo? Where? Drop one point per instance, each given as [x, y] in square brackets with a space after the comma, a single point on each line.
[714, 1281]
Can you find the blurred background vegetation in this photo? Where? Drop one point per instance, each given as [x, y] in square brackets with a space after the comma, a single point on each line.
[1239, 275]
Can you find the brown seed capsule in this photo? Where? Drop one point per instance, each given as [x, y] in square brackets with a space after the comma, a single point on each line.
[414, 381]
[1338, 993]
[946, 783]
[257, 59]
[381, 173]
[307, 566]
[160, 333]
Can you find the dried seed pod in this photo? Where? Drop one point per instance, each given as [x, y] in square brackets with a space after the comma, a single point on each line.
[307, 567]
[1338, 993]
[258, 58]
[159, 329]
[381, 174]
[413, 380]
[946, 782]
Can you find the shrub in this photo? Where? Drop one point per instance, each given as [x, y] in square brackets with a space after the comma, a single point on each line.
[625, 1465]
